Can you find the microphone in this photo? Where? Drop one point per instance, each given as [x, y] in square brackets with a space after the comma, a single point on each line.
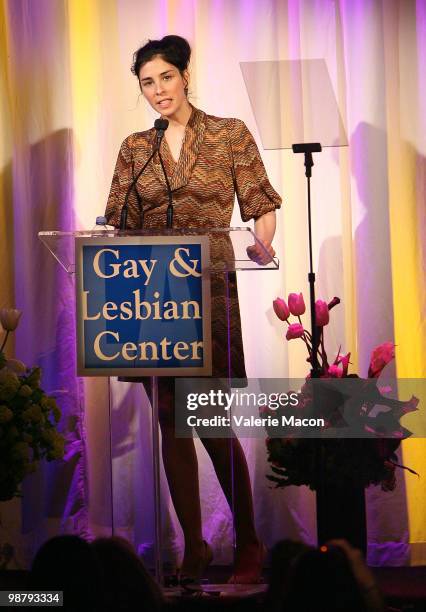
[160, 126]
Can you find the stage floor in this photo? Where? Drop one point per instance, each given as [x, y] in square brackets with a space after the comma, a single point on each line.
[402, 587]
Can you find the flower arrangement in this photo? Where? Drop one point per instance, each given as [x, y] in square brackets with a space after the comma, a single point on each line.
[364, 460]
[28, 417]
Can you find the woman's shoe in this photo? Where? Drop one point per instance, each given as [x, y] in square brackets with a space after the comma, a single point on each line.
[250, 570]
[189, 581]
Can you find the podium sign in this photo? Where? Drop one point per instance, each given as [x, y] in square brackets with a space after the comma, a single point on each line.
[143, 306]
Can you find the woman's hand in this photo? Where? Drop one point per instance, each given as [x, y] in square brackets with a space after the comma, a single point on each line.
[261, 254]
[264, 228]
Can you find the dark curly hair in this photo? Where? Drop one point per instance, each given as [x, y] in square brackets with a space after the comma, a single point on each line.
[173, 49]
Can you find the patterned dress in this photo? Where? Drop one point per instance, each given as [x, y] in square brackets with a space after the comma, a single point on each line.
[218, 160]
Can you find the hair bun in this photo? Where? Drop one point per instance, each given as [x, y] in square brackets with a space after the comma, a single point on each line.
[179, 45]
[173, 49]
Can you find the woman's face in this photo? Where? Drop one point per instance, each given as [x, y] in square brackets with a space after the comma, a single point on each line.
[163, 86]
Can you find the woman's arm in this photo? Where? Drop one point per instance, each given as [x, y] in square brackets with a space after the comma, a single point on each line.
[256, 196]
[264, 228]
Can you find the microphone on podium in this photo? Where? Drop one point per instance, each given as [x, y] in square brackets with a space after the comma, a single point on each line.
[160, 126]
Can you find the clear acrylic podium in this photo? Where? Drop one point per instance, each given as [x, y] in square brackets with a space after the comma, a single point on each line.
[228, 254]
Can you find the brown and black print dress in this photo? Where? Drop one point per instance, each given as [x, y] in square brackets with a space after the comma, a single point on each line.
[218, 160]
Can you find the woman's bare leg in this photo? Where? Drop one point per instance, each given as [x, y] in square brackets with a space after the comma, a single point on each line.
[181, 467]
[237, 490]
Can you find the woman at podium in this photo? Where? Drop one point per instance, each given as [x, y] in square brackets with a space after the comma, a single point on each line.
[208, 160]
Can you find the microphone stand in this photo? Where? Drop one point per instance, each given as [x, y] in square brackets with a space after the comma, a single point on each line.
[324, 497]
[160, 126]
[307, 149]
[124, 210]
[169, 193]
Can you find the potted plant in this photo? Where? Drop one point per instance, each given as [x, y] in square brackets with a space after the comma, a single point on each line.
[28, 417]
[338, 469]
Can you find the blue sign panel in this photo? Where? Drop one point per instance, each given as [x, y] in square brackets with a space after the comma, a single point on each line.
[143, 306]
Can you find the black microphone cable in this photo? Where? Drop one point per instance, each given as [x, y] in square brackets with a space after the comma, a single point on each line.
[169, 194]
[160, 125]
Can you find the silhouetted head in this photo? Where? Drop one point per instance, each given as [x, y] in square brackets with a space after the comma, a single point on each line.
[322, 582]
[126, 582]
[67, 563]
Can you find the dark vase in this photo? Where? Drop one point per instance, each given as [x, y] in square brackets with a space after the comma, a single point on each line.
[341, 514]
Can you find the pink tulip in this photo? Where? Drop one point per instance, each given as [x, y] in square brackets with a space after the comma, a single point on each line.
[344, 362]
[380, 357]
[9, 318]
[296, 304]
[295, 330]
[281, 309]
[321, 313]
[334, 371]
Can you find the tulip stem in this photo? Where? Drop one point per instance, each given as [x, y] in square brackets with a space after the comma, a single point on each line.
[306, 336]
[308, 346]
[323, 353]
[4, 341]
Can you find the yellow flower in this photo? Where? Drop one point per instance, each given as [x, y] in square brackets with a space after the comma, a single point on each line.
[6, 414]
[33, 413]
[9, 384]
[19, 387]
[25, 391]
[57, 442]
[7, 377]
[44, 403]
[16, 366]
[26, 415]
[9, 318]
[51, 402]
[33, 379]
